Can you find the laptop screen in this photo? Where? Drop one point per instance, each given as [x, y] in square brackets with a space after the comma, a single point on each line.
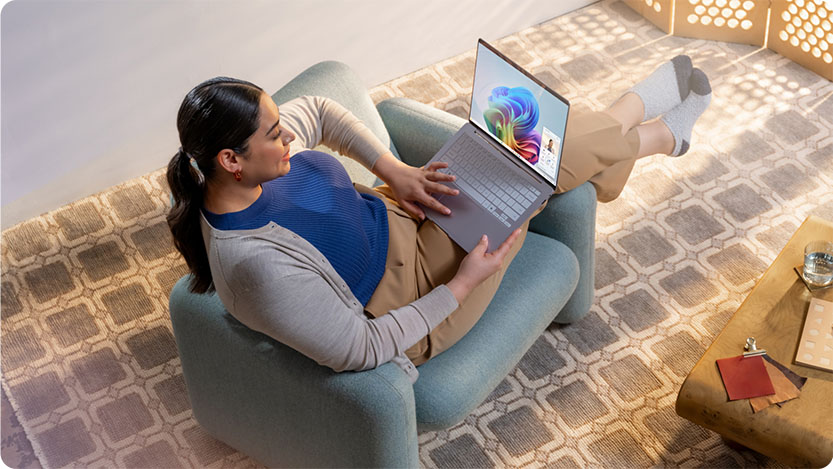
[524, 115]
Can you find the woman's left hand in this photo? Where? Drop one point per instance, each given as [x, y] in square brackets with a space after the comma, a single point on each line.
[411, 185]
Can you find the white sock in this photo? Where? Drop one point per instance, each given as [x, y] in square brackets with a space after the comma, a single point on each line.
[665, 88]
[680, 120]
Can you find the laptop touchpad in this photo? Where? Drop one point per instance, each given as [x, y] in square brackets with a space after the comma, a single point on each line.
[469, 221]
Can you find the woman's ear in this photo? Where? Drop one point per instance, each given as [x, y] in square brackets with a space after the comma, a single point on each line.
[228, 160]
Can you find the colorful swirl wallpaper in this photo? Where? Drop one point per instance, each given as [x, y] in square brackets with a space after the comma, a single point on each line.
[512, 116]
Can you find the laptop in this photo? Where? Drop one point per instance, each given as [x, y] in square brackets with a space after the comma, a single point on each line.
[506, 157]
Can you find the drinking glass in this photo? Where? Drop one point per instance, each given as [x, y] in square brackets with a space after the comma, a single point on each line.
[818, 263]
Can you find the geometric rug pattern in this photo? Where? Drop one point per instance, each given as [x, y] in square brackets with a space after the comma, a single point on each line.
[91, 369]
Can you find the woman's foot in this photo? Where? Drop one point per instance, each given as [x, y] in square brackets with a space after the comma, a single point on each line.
[680, 120]
[665, 88]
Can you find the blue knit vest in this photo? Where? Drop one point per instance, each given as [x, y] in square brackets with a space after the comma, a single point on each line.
[317, 201]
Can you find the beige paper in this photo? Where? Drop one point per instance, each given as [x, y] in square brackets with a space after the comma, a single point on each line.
[785, 390]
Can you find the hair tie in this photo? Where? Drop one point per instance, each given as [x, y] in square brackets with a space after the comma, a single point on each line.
[199, 175]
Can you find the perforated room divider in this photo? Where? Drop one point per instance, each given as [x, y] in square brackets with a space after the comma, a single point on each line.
[801, 30]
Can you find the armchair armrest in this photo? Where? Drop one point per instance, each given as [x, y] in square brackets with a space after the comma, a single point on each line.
[571, 218]
[417, 130]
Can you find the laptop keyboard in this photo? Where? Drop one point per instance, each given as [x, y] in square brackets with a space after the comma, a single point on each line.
[504, 194]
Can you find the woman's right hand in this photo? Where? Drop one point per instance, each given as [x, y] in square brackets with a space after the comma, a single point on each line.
[478, 265]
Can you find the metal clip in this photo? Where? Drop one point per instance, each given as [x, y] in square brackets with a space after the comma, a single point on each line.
[751, 348]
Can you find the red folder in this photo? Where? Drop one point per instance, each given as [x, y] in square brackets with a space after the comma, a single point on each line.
[745, 377]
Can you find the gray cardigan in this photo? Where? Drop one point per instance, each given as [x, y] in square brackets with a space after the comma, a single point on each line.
[277, 283]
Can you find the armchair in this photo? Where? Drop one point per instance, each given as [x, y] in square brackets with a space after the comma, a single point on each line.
[281, 408]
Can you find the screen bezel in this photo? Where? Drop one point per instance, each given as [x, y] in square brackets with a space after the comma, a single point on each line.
[538, 82]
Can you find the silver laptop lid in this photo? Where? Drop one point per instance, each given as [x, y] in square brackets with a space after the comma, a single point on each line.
[518, 111]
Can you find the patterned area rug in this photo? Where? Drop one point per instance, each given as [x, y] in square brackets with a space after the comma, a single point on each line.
[91, 368]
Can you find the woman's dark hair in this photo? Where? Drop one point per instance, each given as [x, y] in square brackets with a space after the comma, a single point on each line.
[220, 113]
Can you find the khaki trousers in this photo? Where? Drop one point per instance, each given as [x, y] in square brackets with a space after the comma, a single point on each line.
[421, 256]
[596, 151]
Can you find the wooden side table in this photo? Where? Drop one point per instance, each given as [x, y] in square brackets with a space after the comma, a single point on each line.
[800, 433]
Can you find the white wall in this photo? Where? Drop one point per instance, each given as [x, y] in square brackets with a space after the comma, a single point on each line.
[90, 89]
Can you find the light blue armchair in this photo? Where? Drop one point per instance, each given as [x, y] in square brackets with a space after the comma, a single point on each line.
[283, 409]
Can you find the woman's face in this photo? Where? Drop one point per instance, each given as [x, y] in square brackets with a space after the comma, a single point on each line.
[268, 155]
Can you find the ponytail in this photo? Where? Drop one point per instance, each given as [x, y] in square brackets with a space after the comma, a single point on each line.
[187, 185]
[217, 114]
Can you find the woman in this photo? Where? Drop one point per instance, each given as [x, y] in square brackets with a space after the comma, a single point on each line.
[350, 276]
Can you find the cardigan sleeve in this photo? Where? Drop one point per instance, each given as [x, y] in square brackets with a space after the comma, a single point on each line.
[317, 120]
[303, 309]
